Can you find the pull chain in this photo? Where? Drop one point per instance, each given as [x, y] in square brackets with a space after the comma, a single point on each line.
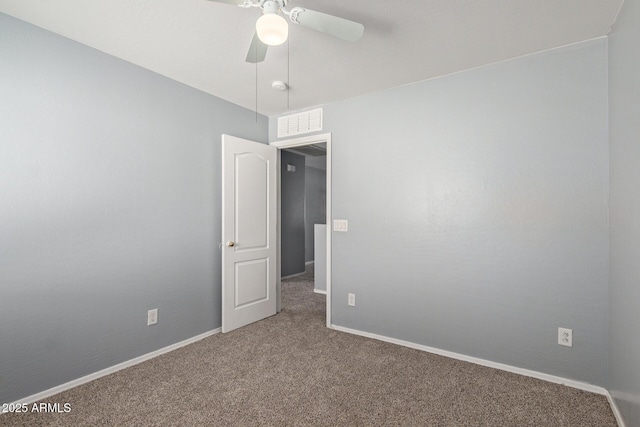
[288, 77]
[256, 56]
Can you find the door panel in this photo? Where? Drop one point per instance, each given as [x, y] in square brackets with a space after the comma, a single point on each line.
[252, 205]
[251, 284]
[249, 213]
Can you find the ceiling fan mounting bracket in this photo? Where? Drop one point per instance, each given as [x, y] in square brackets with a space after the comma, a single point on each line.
[265, 5]
[294, 13]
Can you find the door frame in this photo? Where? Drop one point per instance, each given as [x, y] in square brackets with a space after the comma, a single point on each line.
[292, 143]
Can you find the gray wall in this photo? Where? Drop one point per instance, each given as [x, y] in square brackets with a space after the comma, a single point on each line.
[109, 207]
[477, 208]
[315, 205]
[292, 211]
[320, 263]
[624, 294]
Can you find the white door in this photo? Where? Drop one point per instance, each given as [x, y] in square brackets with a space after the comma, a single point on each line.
[249, 215]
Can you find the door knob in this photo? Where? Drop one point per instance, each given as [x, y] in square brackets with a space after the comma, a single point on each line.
[230, 244]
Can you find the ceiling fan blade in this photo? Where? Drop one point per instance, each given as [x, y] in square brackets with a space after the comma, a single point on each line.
[257, 50]
[235, 2]
[337, 27]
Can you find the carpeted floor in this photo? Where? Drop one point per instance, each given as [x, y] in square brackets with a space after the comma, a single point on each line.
[291, 370]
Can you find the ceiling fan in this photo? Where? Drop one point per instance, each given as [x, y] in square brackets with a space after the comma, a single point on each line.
[272, 29]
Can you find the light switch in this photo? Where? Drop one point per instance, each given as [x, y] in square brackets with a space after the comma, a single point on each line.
[351, 300]
[340, 225]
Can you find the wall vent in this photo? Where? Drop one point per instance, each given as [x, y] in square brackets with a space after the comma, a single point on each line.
[297, 124]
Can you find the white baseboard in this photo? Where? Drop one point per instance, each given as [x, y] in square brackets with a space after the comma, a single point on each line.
[83, 380]
[318, 291]
[293, 275]
[616, 410]
[526, 372]
[513, 369]
[309, 262]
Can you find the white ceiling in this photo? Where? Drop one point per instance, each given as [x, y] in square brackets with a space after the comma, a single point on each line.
[203, 44]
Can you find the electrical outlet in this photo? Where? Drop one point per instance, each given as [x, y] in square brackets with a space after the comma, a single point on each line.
[351, 300]
[565, 337]
[152, 317]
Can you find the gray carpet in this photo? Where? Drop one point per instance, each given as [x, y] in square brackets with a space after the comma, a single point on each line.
[291, 370]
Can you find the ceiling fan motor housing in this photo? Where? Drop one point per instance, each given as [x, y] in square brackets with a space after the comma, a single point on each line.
[271, 6]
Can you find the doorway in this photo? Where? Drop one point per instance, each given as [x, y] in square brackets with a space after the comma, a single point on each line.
[307, 144]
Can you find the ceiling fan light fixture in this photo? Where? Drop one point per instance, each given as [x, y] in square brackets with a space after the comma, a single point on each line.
[272, 29]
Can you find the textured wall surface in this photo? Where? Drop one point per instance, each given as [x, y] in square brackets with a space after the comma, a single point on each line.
[624, 294]
[315, 206]
[477, 208]
[109, 207]
[292, 210]
[320, 263]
